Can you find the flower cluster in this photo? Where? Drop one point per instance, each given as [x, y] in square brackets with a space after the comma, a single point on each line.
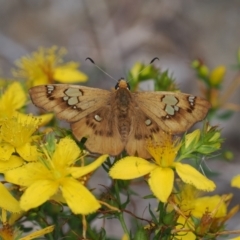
[213, 89]
[47, 174]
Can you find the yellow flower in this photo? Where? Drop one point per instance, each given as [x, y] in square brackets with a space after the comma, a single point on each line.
[217, 75]
[192, 138]
[8, 232]
[161, 171]
[190, 203]
[54, 174]
[204, 142]
[236, 181]
[46, 66]
[211, 213]
[16, 135]
[236, 238]
[125, 236]
[136, 69]
[12, 100]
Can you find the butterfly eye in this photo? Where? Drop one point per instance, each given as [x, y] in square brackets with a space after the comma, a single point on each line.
[117, 86]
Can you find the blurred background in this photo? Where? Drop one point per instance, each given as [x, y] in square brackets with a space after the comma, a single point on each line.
[116, 34]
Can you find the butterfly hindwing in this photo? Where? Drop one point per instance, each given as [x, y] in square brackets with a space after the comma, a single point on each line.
[101, 129]
[144, 128]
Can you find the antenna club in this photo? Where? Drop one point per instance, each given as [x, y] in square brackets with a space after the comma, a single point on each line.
[88, 58]
[156, 58]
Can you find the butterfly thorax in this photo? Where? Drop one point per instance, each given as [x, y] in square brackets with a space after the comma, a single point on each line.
[123, 102]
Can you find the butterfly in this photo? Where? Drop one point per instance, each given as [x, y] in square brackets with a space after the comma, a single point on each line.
[116, 120]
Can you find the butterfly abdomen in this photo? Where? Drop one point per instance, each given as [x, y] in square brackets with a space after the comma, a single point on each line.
[123, 100]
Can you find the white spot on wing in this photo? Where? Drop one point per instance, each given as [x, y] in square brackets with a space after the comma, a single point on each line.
[97, 118]
[73, 101]
[191, 100]
[176, 108]
[50, 89]
[169, 109]
[170, 100]
[73, 92]
[148, 122]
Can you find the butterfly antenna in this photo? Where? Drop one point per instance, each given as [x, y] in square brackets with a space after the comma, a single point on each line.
[152, 61]
[88, 58]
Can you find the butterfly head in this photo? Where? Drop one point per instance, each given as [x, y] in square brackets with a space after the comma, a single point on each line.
[122, 83]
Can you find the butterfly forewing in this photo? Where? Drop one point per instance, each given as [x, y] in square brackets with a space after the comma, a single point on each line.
[69, 102]
[90, 111]
[172, 112]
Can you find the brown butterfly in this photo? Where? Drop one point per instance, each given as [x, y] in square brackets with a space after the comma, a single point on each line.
[118, 120]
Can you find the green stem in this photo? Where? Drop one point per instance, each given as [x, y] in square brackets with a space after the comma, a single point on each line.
[121, 219]
[117, 192]
[120, 215]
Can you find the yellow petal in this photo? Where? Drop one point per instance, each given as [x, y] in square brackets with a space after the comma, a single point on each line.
[236, 181]
[77, 172]
[78, 197]
[38, 193]
[14, 217]
[66, 153]
[203, 204]
[7, 201]
[190, 175]
[45, 118]
[42, 79]
[69, 73]
[42, 119]
[13, 162]
[161, 183]
[185, 235]
[131, 167]
[38, 233]
[28, 152]
[27, 174]
[6, 151]
[13, 98]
